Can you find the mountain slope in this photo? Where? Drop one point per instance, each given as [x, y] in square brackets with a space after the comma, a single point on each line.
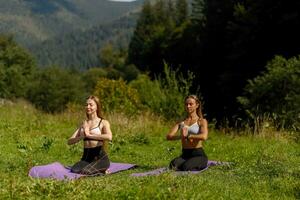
[33, 21]
[80, 49]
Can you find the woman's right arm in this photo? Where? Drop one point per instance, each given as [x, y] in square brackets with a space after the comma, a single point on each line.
[76, 137]
[172, 135]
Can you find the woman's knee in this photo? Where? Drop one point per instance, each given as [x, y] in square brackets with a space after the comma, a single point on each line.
[194, 165]
[176, 163]
[77, 168]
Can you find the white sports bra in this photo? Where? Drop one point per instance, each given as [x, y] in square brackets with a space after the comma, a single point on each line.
[192, 129]
[94, 131]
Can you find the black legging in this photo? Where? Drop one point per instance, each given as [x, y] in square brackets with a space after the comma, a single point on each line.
[93, 161]
[190, 160]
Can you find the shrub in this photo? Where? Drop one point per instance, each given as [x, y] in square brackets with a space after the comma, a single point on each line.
[116, 95]
[166, 94]
[275, 93]
[150, 92]
[54, 88]
[17, 67]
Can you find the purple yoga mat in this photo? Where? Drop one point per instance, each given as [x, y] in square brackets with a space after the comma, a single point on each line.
[210, 163]
[58, 171]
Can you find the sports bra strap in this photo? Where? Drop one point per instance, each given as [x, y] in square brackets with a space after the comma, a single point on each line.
[100, 122]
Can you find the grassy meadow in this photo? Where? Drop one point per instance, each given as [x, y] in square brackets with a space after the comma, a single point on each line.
[263, 167]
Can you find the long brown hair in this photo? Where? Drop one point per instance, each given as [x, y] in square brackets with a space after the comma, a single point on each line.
[199, 109]
[98, 103]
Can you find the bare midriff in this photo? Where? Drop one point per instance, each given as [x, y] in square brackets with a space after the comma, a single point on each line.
[92, 143]
[191, 143]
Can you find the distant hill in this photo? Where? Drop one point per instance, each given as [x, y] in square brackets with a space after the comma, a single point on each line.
[33, 21]
[80, 49]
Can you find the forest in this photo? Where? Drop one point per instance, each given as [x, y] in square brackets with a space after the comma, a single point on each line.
[241, 57]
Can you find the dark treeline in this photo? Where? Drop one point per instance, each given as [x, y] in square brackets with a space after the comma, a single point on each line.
[223, 42]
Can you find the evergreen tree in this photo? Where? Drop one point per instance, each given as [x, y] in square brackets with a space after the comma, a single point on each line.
[224, 42]
[257, 31]
[140, 41]
[148, 46]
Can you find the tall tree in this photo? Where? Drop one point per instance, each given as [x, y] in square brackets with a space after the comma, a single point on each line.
[149, 43]
[139, 43]
[224, 43]
[257, 31]
[209, 18]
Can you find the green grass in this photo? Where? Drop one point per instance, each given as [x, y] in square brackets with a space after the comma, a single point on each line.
[262, 167]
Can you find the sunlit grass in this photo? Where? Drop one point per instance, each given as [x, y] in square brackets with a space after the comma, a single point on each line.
[263, 167]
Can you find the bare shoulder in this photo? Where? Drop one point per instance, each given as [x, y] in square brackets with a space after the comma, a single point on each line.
[105, 122]
[203, 122]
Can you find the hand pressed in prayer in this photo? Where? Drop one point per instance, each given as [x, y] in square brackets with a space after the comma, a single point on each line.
[86, 128]
[184, 132]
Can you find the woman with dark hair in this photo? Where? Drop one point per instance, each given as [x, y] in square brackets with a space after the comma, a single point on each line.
[93, 131]
[193, 131]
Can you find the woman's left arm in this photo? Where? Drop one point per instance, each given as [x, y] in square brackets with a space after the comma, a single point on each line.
[203, 135]
[106, 133]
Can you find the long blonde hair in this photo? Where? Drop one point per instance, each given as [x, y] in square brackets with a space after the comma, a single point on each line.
[199, 109]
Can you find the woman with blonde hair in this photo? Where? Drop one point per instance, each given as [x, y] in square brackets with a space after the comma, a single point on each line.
[193, 130]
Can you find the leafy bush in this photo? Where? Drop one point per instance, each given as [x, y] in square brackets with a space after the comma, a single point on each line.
[116, 95]
[16, 69]
[164, 95]
[54, 88]
[150, 92]
[275, 93]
